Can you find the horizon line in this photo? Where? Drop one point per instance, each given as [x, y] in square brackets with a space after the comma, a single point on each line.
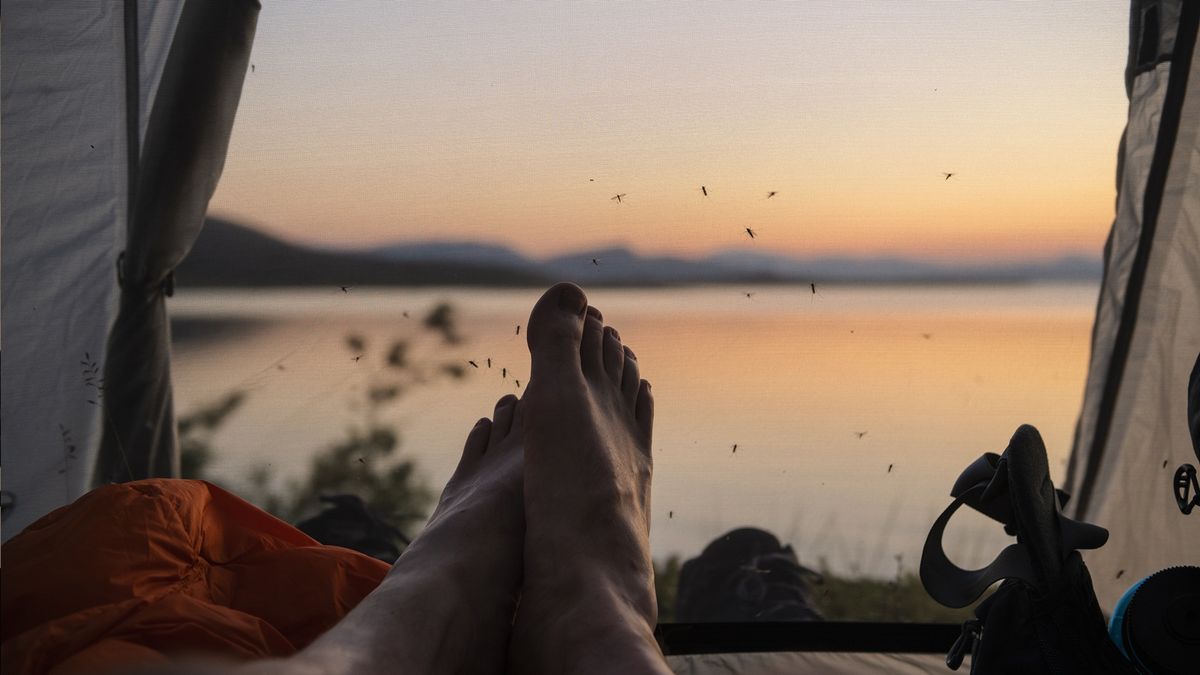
[913, 256]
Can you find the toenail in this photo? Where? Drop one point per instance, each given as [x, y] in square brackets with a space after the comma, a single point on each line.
[616, 333]
[571, 298]
[595, 313]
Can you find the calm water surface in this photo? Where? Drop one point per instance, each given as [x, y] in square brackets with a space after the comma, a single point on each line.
[934, 376]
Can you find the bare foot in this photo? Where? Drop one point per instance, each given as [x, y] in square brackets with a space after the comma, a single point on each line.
[588, 600]
[447, 604]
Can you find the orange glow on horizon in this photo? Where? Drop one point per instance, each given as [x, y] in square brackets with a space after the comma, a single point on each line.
[476, 126]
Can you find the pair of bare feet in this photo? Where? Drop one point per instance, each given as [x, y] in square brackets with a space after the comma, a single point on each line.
[537, 557]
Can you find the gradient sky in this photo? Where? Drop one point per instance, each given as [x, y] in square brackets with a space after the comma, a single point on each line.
[371, 122]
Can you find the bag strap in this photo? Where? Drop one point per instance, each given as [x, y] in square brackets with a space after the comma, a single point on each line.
[984, 487]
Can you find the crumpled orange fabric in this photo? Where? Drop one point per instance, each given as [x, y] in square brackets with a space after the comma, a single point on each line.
[138, 572]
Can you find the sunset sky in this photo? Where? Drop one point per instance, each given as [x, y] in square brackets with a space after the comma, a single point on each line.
[372, 122]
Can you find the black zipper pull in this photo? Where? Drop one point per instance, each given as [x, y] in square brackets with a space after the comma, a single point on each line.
[966, 641]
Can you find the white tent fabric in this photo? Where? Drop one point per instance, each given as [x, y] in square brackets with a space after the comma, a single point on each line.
[65, 205]
[1121, 477]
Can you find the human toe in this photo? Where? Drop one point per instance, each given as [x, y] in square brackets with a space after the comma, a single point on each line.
[502, 419]
[591, 348]
[555, 328]
[630, 377]
[614, 355]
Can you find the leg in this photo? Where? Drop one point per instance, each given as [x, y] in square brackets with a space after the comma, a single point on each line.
[447, 604]
[588, 601]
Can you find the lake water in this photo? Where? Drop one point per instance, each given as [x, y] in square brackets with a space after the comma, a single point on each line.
[934, 376]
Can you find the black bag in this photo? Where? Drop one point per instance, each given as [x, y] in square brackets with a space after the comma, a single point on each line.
[1044, 617]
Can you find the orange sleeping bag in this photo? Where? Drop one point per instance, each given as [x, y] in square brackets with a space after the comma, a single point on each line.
[137, 572]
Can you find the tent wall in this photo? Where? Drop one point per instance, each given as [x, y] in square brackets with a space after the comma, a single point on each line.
[1133, 429]
[79, 81]
[180, 161]
[65, 167]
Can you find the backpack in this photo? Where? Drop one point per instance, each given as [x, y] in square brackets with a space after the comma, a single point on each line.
[1044, 617]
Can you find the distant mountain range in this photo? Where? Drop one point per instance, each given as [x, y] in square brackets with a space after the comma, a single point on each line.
[230, 254]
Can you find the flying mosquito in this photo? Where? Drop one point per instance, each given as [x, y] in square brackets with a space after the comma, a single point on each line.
[473, 364]
[947, 175]
[405, 314]
[357, 358]
[927, 336]
[345, 289]
[813, 286]
[504, 373]
[617, 198]
[749, 295]
[596, 262]
[734, 449]
[772, 193]
[751, 233]
[890, 467]
[860, 434]
[489, 361]
[518, 382]
[704, 190]
[518, 329]
[670, 514]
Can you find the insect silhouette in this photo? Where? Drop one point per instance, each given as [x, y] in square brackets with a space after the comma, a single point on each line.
[518, 382]
[361, 460]
[704, 190]
[252, 67]
[751, 233]
[1165, 463]
[473, 364]
[772, 193]
[813, 286]
[489, 362]
[890, 467]
[617, 198]
[596, 262]
[357, 358]
[734, 449]
[405, 314]
[750, 295]
[947, 175]
[345, 289]
[860, 434]
[1120, 573]
[504, 373]
[927, 336]
[591, 180]
[670, 514]
[518, 329]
